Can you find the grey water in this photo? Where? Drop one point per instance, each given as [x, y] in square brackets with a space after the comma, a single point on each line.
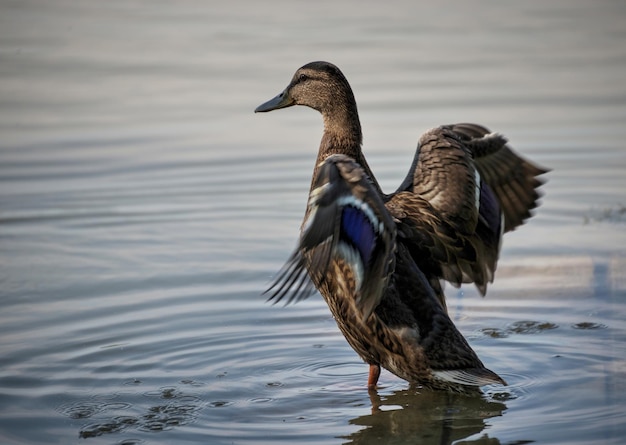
[144, 208]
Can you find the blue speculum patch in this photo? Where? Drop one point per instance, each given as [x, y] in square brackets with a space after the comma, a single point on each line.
[489, 208]
[357, 230]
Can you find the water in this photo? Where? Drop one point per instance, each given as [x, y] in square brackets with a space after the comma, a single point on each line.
[144, 207]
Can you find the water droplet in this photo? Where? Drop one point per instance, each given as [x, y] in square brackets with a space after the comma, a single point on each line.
[587, 325]
[168, 393]
[530, 327]
[494, 332]
[502, 396]
[133, 382]
[220, 403]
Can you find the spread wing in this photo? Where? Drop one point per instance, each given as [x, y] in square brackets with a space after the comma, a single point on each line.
[346, 222]
[477, 187]
[437, 247]
[513, 179]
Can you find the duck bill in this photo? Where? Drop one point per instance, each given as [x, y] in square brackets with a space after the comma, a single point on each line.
[281, 101]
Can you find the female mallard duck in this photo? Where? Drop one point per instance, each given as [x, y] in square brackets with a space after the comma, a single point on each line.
[378, 259]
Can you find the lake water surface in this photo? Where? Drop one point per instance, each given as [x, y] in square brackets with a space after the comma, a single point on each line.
[144, 208]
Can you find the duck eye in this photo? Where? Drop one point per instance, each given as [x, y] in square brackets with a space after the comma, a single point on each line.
[303, 77]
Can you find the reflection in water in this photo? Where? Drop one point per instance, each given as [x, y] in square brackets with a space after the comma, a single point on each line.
[423, 416]
[135, 181]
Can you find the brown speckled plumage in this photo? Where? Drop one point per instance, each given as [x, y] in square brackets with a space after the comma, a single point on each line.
[378, 259]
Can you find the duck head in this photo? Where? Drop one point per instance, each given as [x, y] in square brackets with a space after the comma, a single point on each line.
[318, 85]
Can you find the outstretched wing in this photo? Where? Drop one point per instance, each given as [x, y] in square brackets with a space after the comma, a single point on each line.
[347, 222]
[437, 248]
[443, 173]
[513, 179]
[478, 187]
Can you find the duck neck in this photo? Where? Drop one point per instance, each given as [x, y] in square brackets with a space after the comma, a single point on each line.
[342, 135]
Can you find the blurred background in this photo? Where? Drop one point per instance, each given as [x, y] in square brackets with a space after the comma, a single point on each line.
[144, 207]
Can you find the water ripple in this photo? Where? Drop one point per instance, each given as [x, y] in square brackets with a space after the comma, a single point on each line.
[180, 408]
[525, 327]
[144, 207]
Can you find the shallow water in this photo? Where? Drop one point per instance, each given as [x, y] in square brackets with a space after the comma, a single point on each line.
[144, 208]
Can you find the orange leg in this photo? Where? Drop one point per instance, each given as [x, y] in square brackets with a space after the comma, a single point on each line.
[373, 377]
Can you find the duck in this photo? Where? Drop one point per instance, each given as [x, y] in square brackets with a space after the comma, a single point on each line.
[379, 260]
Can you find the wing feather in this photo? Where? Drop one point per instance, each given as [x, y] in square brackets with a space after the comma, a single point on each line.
[346, 221]
[461, 235]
